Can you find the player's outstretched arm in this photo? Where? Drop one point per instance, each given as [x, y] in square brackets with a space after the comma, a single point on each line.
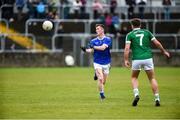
[84, 49]
[159, 45]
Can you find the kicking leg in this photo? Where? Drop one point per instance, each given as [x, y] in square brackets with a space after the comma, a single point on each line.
[95, 76]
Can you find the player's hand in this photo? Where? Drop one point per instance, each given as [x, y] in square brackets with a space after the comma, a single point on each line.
[127, 63]
[166, 54]
[83, 48]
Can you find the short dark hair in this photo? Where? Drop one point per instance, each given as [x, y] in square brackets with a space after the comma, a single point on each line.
[136, 22]
[101, 25]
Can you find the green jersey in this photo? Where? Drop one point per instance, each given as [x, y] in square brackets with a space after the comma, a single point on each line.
[140, 40]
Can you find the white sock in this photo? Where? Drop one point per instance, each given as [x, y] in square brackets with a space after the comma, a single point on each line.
[156, 95]
[136, 92]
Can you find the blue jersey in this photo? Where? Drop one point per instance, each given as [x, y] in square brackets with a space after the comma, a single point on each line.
[102, 57]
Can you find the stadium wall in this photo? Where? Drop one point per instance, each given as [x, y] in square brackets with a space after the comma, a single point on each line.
[57, 60]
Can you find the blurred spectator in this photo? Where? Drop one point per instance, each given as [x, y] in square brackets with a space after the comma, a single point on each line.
[64, 8]
[59, 42]
[76, 8]
[108, 22]
[167, 4]
[83, 7]
[52, 7]
[113, 6]
[124, 30]
[51, 15]
[115, 24]
[141, 4]
[7, 9]
[97, 8]
[60, 28]
[32, 9]
[41, 10]
[20, 4]
[1, 2]
[131, 4]
[102, 18]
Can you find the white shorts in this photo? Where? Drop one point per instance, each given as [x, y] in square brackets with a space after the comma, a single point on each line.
[105, 68]
[146, 64]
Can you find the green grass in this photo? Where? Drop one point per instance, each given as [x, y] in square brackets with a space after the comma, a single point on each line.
[28, 93]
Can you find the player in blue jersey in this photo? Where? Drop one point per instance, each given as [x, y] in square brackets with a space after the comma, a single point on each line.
[100, 46]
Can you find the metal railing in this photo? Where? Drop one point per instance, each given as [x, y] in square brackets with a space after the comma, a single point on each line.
[87, 23]
[12, 48]
[6, 23]
[171, 42]
[56, 22]
[88, 32]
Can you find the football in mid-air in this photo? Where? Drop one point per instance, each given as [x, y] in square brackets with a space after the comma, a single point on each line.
[47, 25]
[69, 60]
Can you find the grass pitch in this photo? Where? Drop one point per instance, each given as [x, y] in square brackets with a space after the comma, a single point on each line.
[66, 93]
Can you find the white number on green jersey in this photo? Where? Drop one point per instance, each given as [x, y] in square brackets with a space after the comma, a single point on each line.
[141, 38]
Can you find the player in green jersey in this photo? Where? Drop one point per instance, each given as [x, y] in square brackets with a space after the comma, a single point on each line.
[139, 40]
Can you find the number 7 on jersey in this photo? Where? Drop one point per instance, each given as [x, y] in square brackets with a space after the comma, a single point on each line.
[141, 38]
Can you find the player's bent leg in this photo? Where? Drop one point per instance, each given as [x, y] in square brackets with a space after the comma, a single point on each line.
[134, 80]
[95, 76]
[96, 66]
[154, 86]
[105, 76]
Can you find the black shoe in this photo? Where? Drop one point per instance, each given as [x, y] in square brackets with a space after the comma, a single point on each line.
[157, 103]
[136, 99]
[103, 97]
[95, 77]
